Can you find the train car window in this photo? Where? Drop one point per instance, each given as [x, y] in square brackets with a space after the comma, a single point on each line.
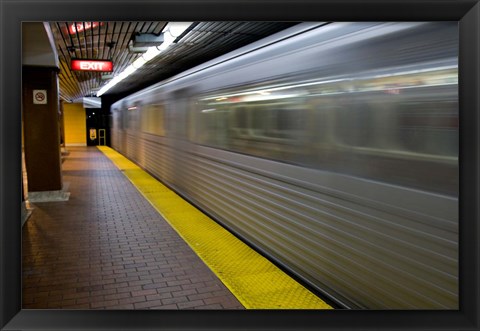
[117, 122]
[290, 119]
[269, 123]
[209, 124]
[429, 127]
[354, 123]
[284, 120]
[241, 118]
[400, 128]
[153, 119]
[392, 126]
[124, 119]
[259, 119]
[132, 117]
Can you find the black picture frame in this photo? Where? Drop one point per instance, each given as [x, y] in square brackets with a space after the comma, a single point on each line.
[14, 12]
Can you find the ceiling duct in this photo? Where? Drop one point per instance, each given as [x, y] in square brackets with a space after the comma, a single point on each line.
[140, 42]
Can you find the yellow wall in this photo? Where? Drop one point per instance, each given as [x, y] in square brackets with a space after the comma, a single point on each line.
[75, 124]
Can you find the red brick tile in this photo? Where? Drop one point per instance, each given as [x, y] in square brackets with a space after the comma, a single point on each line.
[214, 300]
[209, 288]
[114, 244]
[168, 289]
[122, 306]
[172, 306]
[184, 293]
[193, 286]
[117, 296]
[103, 292]
[76, 295]
[159, 296]
[140, 274]
[178, 282]
[200, 296]
[190, 304]
[129, 289]
[81, 301]
[116, 285]
[212, 306]
[144, 292]
[174, 300]
[148, 304]
[103, 304]
[141, 282]
[132, 300]
[154, 285]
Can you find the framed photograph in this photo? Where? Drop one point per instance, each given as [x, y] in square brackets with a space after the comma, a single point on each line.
[465, 13]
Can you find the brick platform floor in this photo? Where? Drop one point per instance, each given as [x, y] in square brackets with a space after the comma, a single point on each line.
[108, 248]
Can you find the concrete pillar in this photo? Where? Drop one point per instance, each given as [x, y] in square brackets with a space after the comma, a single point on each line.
[40, 112]
[41, 128]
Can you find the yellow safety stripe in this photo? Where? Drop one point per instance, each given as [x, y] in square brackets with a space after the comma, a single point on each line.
[254, 281]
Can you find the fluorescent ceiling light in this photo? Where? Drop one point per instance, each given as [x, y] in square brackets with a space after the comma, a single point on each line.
[139, 62]
[171, 31]
[127, 72]
[151, 53]
[177, 28]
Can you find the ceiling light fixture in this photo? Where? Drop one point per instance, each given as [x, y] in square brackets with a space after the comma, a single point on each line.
[171, 32]
[140, 42]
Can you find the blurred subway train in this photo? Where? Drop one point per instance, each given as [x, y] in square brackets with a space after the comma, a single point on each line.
[332, 148]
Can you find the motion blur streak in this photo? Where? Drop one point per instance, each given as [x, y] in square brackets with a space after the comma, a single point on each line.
[331, 148]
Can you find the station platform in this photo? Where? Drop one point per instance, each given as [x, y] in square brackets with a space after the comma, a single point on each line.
[123, 240]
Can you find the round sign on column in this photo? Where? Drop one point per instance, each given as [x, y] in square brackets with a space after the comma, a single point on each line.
[39, 97]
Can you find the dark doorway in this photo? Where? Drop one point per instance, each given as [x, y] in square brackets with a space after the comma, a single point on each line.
[98, 128]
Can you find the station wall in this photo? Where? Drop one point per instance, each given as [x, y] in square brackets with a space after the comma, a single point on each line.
[75, 124]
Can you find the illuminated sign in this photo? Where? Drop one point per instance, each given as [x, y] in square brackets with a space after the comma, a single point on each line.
[79, 27]
[92, 65]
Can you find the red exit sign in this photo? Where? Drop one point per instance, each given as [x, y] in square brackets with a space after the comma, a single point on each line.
[92, 65]
[82, 26]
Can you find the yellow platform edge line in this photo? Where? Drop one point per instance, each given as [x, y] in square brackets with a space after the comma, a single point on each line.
[255, 281]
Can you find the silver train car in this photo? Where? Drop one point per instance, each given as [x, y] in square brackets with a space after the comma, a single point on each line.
[332, 148]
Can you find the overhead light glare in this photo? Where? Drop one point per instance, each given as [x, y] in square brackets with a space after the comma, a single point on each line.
[171, 31]
[177, 28]
[139, 62]
[127, 72]
[151, 53]
[169, 38]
